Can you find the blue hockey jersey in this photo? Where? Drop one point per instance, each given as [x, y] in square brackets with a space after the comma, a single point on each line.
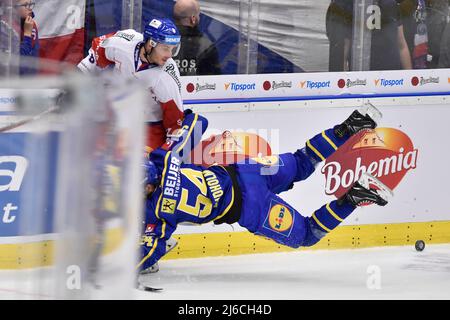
[187, 193]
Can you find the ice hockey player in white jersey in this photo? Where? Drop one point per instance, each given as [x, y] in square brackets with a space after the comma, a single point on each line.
[148, 58]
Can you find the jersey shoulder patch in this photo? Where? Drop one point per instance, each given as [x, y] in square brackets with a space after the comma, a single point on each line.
[122, 38]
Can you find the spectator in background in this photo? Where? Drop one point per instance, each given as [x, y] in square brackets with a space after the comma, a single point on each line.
[389, 50]
[19, 30]
[437, 13]
[435, 21]
[339, 19]
[407, 10]
[444, 57]
[29, 39]
[198, 55]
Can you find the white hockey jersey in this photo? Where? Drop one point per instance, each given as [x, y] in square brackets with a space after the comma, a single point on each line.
[120, 51]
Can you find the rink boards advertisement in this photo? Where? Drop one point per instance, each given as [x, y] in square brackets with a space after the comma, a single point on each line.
[25, 185]
[405, 152]
[331, 85]
[280, 116]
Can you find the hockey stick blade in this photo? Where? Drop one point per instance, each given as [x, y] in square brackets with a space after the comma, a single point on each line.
[148, 288]
[151, 289]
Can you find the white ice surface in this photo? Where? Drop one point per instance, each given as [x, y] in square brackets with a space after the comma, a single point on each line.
[338, 274]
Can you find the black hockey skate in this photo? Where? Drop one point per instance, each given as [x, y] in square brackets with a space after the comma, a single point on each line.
[362, 194]
[365, 118]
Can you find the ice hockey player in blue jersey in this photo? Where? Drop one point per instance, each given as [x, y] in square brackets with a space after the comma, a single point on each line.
[247, 192]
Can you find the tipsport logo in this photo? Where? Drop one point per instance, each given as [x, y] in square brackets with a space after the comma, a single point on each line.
[388, 82]
[385, 153]
[312, 85]
[240, 86]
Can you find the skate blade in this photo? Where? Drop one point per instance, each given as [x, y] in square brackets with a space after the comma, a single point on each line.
[370, 110]
[383, 190]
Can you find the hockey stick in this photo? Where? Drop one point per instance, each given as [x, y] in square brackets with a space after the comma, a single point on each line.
[147, 288]
[28, 120]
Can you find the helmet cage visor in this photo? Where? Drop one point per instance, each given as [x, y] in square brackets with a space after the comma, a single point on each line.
[173, 46]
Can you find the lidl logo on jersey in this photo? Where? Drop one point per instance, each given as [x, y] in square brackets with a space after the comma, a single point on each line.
[385, 153]
[388, 82]
[280, 219]
[307, 84]
[240, 86]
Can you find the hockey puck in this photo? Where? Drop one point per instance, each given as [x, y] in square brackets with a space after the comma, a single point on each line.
[420, 245]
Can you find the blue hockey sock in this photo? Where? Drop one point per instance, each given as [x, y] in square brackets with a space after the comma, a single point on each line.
[324, 144]
[331, 215]
[325, 220]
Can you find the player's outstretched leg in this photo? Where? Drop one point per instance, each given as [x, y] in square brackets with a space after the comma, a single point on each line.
[323, 145]
[331, 215]
[289, 168]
